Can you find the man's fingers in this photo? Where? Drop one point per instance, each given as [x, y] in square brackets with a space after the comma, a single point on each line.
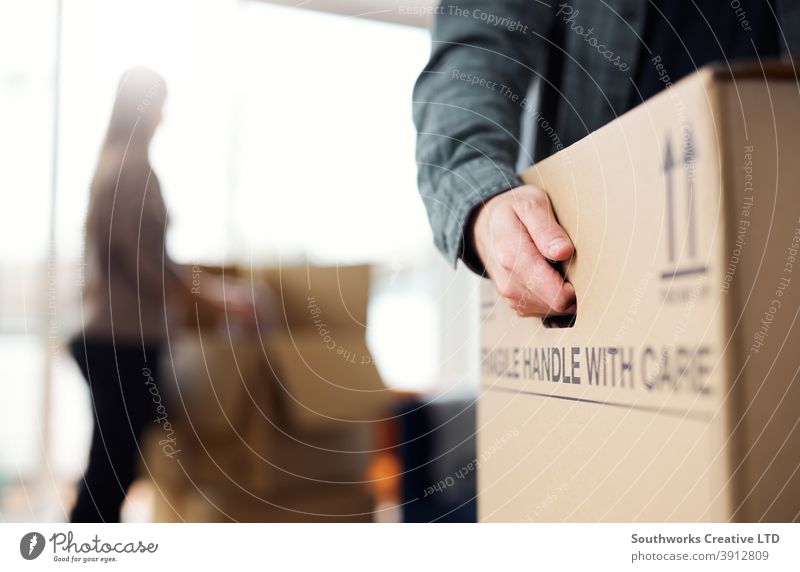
[535, 211]
[522, 275]
[522, 301]
[537, 275]
[515, 235]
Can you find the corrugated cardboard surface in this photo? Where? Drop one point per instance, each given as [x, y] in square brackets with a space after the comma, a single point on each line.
[764, 291]
[640, 411]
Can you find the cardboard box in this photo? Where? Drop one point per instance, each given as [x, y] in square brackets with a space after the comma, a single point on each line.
[352, 503]
[277, 413]
[319, 349]
[675, 395]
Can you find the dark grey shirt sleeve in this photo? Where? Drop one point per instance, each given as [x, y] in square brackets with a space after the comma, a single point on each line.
[467, 106]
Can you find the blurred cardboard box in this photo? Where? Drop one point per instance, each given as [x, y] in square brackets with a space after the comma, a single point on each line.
[675, 395]
[319, 347]
[284, 413]
[225, 504]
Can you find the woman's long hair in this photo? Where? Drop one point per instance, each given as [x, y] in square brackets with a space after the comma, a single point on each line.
[134, 118]
[137, 109]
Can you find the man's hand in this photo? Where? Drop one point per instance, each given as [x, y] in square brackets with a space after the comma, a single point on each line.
[515, 234]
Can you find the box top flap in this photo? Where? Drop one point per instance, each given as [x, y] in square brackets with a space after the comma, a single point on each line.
[327, 380]
[332, 298]
[753, 69]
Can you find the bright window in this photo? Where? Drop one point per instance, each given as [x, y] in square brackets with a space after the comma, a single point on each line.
[287, 136]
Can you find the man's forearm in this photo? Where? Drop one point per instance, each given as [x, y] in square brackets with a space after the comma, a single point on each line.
[467, 107]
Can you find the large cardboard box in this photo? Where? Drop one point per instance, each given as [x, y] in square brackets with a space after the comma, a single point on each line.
[675, 394]
[279, 422]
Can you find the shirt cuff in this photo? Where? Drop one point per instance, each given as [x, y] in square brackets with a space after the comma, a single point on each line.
[470, 186]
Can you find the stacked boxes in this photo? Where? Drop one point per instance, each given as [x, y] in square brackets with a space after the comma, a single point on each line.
[278, 424]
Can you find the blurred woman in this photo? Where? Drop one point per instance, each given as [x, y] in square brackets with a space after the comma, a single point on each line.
[131, 283]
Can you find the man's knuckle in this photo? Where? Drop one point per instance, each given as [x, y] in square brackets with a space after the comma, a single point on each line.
[506, 258]
[561, 305]
[539, 270]
[507, 290]
[563, 302]
[532, 283]
[537, 197]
